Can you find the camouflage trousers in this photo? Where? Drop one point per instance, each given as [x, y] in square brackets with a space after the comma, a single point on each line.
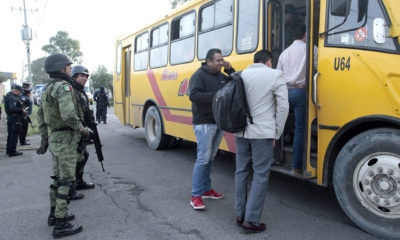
[63, 148]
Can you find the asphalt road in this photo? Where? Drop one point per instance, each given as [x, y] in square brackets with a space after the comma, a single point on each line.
[145, 194]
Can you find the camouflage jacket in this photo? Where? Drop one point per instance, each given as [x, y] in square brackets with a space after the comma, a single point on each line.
[82, 105]
[59, 108]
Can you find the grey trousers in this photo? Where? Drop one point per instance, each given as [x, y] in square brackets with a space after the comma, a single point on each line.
[260, 153]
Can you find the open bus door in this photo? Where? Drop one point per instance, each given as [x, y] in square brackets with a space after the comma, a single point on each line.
[277, 38]
[126, 76]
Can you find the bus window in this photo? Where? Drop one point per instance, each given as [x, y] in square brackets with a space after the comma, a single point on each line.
[118, 70]
[141, 51]
[247, 33]
[216, 28]
[182, 39]
[275, 30]
[363, 36]
[207, 18]
[127, 71]
[159, 47]
[223, 12]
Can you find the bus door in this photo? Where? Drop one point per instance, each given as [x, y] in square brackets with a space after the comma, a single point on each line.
[280, 20]
[127, 82]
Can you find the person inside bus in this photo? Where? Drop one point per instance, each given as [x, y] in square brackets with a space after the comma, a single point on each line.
[292, 62]
[290, 22]
[267, 96]
[204, 83]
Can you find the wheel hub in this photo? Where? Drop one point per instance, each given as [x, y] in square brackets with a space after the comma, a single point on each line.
[376, 182]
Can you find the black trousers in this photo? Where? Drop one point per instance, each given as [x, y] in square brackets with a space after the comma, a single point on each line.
[13, 129]
[101, 113]
[23, 132]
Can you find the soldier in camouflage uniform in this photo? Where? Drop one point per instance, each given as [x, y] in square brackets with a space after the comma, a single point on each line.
[58, 113]
[80, 75]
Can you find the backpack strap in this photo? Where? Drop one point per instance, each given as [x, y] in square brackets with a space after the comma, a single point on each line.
[246, 104]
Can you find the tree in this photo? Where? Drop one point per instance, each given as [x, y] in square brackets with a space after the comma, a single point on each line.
[61, 43]
[101, 77]
[2, 78]
[175, 3]
[39, 75]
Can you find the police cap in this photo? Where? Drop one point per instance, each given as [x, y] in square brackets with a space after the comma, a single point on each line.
[25, 85]
[27, 90]
[56, 62]
[17, 87]
[79, 69]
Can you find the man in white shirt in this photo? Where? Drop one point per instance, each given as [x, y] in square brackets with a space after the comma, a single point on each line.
[292, 62]
[267, 97]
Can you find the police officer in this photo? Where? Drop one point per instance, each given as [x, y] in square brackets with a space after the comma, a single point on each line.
[59, 113]
[26, 101]
[15, 113]
[102, 103]
[80, 75]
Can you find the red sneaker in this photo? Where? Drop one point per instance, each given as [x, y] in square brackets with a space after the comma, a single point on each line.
[212, 194]
[197, 203]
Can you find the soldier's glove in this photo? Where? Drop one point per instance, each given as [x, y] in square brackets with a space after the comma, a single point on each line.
[86, 132]
[44, 144]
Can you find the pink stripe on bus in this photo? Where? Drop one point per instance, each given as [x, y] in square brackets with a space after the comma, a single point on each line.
[229, 137]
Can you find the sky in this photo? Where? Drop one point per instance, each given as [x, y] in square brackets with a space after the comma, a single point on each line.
[95, 23]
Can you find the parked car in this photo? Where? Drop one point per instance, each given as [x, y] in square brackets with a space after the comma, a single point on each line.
[37, 91]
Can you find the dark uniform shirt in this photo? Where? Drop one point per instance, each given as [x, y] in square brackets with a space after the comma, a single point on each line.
[13, 107]
[27, 103]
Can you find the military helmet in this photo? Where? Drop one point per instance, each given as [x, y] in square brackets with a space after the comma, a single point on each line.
[56, 62]
[79, 69]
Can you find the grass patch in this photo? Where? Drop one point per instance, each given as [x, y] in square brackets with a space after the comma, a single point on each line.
[34, 122]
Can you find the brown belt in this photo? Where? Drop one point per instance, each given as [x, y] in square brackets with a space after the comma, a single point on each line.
[296, 86]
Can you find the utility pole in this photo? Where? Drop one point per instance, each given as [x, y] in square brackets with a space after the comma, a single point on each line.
[26, 34]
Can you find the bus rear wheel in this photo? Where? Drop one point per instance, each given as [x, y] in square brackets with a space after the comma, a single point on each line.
[366, 179]
[154, 130]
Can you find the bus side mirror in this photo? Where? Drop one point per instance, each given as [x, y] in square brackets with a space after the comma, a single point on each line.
[340, 7]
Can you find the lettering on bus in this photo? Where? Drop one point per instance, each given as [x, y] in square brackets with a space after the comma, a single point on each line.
[183, 88]
[169, 75]
[341, 63]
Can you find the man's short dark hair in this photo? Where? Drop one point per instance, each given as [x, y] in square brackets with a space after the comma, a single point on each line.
[298, 31]
[262, 56]
[212, 52]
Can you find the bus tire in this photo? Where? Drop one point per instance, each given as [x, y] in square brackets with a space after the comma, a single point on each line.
[154, 130]
[366, 179]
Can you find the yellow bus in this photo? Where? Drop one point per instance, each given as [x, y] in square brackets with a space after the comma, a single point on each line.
[352, 132]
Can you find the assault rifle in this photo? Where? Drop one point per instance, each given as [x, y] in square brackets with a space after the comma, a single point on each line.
[94, 136]
[27, 118]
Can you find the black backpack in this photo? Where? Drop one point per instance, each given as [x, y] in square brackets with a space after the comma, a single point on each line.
[230, 107]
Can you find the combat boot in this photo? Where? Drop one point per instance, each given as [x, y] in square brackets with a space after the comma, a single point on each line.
[51, 220]
[62, 228]
[73, 194]
[82, 184]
